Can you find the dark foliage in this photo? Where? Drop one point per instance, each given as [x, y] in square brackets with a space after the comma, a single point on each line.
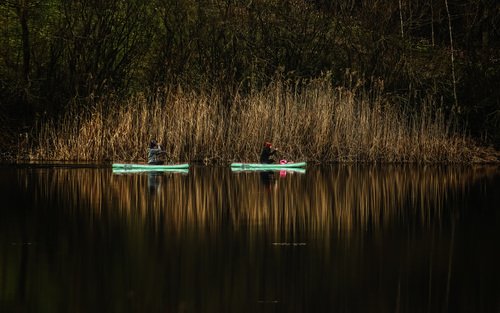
[56, 53]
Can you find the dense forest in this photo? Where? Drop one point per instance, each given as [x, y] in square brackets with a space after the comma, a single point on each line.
[85, 56]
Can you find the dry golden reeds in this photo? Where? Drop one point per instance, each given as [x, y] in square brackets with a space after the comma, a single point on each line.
[317, 123]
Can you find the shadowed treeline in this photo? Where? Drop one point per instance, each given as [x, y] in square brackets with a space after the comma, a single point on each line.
[60, 58]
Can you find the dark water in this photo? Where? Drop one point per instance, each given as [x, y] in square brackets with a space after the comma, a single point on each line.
[337, 239]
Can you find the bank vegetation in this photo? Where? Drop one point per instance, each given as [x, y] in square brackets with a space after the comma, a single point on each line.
[309, 121]
[325, 80]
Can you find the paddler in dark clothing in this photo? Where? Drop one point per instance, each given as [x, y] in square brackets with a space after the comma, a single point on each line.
[267, 152]
[155, 153]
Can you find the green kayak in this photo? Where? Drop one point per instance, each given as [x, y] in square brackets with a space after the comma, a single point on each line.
[141, 170]
[300, 170]
[148, 168]
[273, 166]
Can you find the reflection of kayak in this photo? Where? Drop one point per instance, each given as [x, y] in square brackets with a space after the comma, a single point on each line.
[145, 170]
[300, 170]
[148, 168]
[260, 166]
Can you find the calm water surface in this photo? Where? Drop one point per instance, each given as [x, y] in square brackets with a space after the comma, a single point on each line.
[345, 238]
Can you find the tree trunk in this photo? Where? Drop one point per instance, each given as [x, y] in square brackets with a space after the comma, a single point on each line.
[22, 13]
[456, 108]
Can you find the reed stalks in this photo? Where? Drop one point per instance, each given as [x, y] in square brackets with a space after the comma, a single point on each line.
[313, 122]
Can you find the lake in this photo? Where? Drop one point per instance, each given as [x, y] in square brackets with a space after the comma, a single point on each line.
[339, 238]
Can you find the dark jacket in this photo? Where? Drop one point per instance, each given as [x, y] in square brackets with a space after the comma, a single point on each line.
[265, 155]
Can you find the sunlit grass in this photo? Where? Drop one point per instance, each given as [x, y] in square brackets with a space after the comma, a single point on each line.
[316, 122]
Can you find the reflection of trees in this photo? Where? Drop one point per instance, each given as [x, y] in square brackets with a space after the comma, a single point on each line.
[338, 199]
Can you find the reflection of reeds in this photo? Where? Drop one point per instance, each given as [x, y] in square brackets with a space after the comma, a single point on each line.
[318, 123]
[207, 200]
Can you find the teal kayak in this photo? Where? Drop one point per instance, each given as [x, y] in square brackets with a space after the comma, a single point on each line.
[147, 167]
[142, 170]
[300, 170]
[262, 166]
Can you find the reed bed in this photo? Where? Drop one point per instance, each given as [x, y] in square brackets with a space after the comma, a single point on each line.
[315, 122]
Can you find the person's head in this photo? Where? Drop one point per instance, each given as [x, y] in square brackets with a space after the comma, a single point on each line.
[267, 144]
[153, 144]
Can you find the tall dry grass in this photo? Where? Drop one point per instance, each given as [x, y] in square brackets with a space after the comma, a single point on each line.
[314, 122]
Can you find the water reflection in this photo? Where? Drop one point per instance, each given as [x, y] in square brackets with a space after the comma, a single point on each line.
[339, 199]
[401, 238]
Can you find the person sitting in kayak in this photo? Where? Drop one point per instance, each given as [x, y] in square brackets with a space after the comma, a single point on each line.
[267, 152]
[155, 153]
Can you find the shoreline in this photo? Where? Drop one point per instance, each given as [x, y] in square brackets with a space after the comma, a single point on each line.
[487, 159]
